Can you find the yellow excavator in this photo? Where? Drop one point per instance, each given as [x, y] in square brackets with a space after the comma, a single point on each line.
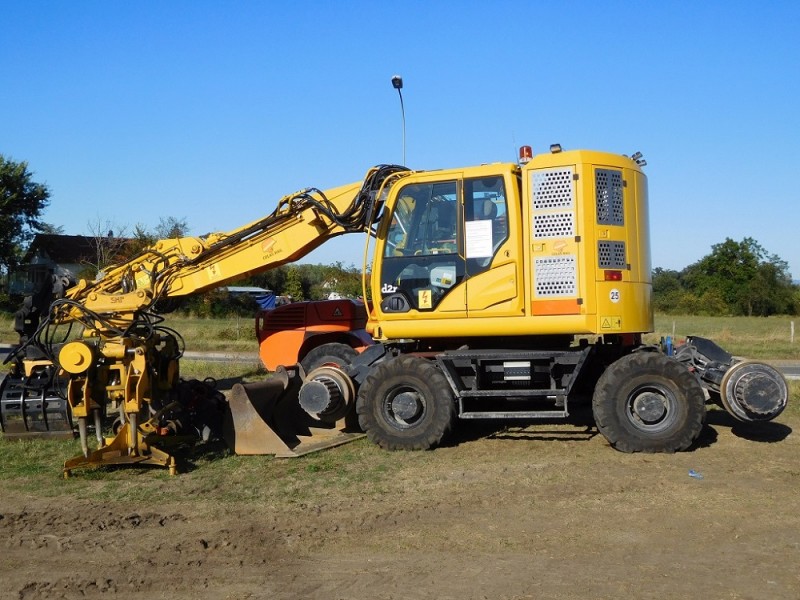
[499, 291]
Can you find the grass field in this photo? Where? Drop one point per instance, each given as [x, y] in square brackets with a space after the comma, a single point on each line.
[34, 467]
[752, 337]
[353, 521]
[233, 334]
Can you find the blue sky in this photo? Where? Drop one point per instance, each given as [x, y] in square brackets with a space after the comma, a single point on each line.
[211, 111]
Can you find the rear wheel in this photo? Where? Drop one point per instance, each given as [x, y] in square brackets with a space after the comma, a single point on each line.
[405, 404]
[337, 354]
[646, 402]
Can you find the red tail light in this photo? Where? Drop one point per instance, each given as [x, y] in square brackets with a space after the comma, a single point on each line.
[613, 275]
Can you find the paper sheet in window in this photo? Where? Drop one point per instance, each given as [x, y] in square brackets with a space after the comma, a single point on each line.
[479, 239]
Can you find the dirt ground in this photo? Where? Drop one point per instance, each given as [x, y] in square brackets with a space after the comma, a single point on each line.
[549, 511]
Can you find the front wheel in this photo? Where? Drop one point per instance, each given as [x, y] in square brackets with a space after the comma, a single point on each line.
[405, 404]
[646, 402]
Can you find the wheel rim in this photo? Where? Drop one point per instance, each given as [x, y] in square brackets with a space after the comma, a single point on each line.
[404, 407]
[651, 408]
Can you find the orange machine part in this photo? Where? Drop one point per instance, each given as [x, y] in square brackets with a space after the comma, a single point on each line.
[283, 332]
[556, 307]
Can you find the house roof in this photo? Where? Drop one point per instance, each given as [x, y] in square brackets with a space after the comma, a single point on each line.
[65, 249]
[246, 289]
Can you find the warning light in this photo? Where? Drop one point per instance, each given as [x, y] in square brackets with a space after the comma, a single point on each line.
[613, 275]
[525, 154]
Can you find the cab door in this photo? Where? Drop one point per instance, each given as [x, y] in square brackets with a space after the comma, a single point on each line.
[422, 267]
[491, 216]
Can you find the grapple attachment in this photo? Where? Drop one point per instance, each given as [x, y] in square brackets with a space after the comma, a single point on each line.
[30, 407]
[267, 417]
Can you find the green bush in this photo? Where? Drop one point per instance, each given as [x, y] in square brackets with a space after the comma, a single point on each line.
[219, 304]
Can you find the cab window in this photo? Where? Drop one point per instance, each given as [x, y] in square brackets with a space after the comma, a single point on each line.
[486, 215]
[422, 262]
[425, 221]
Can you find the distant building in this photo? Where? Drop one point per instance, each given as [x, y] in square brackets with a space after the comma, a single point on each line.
[245, 290]
[63, 256]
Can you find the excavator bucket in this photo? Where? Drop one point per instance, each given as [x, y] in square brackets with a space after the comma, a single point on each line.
[266, 418]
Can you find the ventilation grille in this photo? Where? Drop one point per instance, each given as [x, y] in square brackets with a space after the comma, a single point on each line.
[608, 186]
[556, 276]
[611, 255]
[553, 188]
[292, 317]
[553, 225]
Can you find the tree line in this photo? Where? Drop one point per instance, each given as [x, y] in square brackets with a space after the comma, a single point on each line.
[736, 278]
[22, 202]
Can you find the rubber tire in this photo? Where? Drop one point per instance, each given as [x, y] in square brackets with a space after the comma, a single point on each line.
[405, 373]
[653, 373]
[328, 354]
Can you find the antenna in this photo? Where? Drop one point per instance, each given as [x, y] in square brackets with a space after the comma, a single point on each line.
[397, 83]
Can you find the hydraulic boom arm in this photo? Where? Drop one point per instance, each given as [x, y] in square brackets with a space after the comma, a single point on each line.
[179, 267]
